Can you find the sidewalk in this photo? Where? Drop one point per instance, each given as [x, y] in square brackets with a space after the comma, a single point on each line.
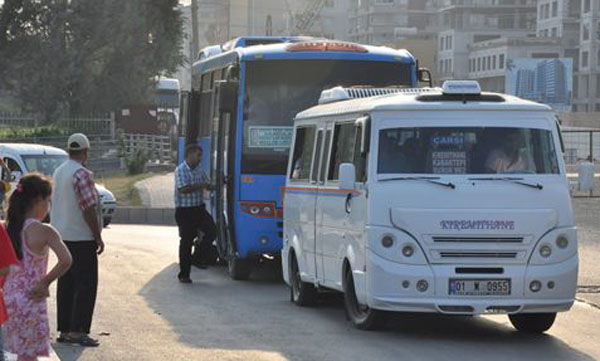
[157, 191]
[53, 357]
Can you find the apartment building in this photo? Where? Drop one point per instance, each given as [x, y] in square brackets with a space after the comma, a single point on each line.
[466, 22]
[380, 22]
[488, 60]
[586, 80]
[280, 17]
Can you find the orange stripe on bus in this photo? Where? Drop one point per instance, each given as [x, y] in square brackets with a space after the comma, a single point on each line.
[316, 190]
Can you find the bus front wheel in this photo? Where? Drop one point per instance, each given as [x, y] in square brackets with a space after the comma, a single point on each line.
[239, 269]
[532, 322]
[301, 293]
[363, 317]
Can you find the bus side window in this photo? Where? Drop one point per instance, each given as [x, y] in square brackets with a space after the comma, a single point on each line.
[303, 153]
[216, 75]
[206, 100]
[324, 158]
[342, 150]
[315, 164]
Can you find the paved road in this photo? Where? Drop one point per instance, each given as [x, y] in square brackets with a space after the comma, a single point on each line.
[144, 314]
[157, 191]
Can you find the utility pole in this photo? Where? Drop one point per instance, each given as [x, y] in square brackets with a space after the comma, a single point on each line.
[195, 49]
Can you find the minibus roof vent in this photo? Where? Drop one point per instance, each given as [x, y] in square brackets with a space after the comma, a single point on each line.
[340, 93]
[461, 90]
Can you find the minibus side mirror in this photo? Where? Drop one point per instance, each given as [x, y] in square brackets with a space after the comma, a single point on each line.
[347, 175]
[424, 76]
[227, 95]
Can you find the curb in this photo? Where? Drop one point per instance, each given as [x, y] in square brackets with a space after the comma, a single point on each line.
[143, 215]
[53, 356]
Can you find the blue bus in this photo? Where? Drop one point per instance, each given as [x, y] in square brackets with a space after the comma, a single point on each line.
[241, 108]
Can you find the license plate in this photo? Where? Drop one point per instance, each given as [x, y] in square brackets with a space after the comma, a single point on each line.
[479, 287]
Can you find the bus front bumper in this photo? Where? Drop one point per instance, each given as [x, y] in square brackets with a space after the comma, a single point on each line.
[392, 286]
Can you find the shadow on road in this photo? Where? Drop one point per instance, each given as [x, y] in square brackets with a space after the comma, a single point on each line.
[218, 313]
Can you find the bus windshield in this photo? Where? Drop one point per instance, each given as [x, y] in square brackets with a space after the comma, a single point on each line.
[276, 90]
[466, 150]
[167, 98]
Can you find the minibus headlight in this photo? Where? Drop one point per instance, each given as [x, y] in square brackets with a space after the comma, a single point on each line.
[254, 210]
[545, 251]
[387, 241]
[408, 251]
[562, 241]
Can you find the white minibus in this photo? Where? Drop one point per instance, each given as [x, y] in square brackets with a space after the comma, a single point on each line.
[450, 200]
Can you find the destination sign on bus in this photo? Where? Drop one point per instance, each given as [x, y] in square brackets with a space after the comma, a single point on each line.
[269, 137]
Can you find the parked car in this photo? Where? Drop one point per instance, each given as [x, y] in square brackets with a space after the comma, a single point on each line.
[25, 158]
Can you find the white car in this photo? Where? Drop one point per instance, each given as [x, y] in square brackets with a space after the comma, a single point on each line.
[25, 158]
[445, 200]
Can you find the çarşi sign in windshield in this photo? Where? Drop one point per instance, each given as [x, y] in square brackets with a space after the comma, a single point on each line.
[269, 137]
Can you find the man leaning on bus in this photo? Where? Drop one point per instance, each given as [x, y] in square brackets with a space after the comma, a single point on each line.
[190, 212]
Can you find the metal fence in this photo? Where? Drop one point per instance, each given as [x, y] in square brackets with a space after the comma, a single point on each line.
[91, 125]
[159, 147]
[103, 154]
[17, 120]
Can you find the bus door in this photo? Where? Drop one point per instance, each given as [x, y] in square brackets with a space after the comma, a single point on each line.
[322, 178]
[224, 171]
[336, 209]
[182, 126]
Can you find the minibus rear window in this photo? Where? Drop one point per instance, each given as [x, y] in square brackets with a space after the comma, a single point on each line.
[466, 150]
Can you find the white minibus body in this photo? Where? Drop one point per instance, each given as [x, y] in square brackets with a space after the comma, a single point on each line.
[450, 201]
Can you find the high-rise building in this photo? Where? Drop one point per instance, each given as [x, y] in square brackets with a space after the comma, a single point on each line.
[551, 81]
[525, 85]
[586, 81]
[465, 22]
[382, 22]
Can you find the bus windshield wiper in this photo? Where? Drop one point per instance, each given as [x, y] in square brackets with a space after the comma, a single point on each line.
[433, 180]
[511, 179]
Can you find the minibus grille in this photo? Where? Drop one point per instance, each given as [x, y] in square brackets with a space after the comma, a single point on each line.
[478, 239]
[454, 254]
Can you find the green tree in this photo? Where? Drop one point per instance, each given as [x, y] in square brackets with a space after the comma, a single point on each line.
[32, 49]
[87, 55]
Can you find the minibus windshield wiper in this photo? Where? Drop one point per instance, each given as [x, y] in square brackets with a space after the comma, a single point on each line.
[433, 180]
[511, 179]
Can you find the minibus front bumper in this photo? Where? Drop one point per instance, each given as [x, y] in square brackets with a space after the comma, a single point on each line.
[393, 286]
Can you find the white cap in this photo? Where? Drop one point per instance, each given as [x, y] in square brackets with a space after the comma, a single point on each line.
[78, 141]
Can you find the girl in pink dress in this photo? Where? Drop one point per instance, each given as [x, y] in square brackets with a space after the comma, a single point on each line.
[27, 333]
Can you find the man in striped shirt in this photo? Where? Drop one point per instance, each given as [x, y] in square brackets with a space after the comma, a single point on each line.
[190, 212]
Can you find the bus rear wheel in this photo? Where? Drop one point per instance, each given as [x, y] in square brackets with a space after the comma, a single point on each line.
[239, 269]
[363, 317]
[532, 322]
[301, 293]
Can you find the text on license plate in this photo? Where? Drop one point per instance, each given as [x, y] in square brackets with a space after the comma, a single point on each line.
[479, 287]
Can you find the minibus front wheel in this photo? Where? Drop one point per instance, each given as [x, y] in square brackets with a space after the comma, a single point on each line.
[532, 322]
[363, 317]
[301, 293]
